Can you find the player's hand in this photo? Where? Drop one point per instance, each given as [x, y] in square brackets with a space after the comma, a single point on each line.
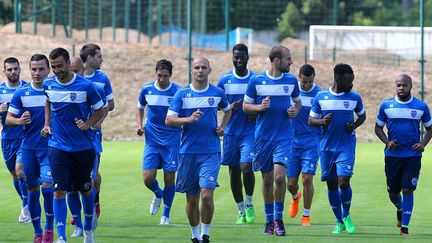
[97, 126]
[236, 105]
[25, 118]
[418, 147]
[327, 119]
[349, 127]
[196, 115]
[265, 103]
[82, 125]
[3, 107]
[45, 132]
[392, 144]
[292, 112]
[220, 131]
[140, 130]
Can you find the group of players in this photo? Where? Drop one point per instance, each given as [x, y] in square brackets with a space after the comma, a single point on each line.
[52, 137]
[276, 124]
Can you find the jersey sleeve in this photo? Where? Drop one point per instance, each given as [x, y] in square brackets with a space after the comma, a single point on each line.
[295, 95]
[176, 104]
[141, 100]
[315, 110]
[426, 118]
[93, 97]
[224, 103]
[251, 93]
[359, 109]
[108, 89]
[381, 117]
[221, 83]
[15, 106]
[101, 92]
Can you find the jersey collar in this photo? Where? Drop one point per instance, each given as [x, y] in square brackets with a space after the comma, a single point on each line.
[37, 89]
[16, 87]
[158, 88]
[403, 102]
[90, 75]
[199, 90]
[310, 90]
[272, 77]
[240, 77]
[70, 82]
[335, 94]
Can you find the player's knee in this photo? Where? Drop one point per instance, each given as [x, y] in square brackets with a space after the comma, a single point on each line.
[344, 185]
[407, 191]
[292, 186]
[307, 180]
[247, 169]
[148, 180]
[207, 199]
[280, 180]
[59, 194]
[332, 184]
[235, 171]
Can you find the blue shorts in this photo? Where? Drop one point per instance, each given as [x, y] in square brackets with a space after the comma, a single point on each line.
[158, 157]
[237, 149]
[304, 160]
[336, 163]
[36, 167]
[197, 171]
[268, 153]
[11, 149]
[71, 171]
[96, 165]
[97, 141]
[402, 173]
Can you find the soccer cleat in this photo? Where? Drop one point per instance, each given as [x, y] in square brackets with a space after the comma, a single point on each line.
[293, 208]
[164, 220]
[241, 219]
[404, 231]
[269, 228]
[279, 228]
[195, 240]
[88, 236]
[339, 228]
[24, 216]
[250, 215]
[155, 205]
[94, 220]
[349, 225]
[399, 218]
[305, 221]
[37, 239]
[205, 239]
[72, 221]
[97, 209]
[48, 236]
[78, 232]
[60, 240]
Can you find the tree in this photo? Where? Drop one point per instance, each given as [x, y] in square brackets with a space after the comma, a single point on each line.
[290, 23]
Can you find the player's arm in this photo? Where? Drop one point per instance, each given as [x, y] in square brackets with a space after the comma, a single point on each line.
[140, 117]
[173, 120]
[98, 124]
[426, 138]
[111, 105]
[15, 120]
[47, 127]
[251, 108]
[379, 131]
[295, 109]
[91, 121]
[225, 119]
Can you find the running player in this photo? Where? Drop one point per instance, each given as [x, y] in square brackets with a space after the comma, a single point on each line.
[77, 65]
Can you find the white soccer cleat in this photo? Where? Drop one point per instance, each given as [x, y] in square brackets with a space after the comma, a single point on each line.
[24, 216]
[60, 240]
[164, 220]
[88, 236]
[78, 232]
[155, 205]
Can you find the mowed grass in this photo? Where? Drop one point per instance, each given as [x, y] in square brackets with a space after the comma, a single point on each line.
[125, 206]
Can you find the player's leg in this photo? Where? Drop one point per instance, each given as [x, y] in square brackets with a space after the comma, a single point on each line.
[393, 172]
[152, 161]
[293, 172]
[309, 164]
[97, 184]
[19, 170]
[47, 193]
[207, 211]
[168, 195]
[345, 166]
[193, 214]
[279, 198]
[246, 158]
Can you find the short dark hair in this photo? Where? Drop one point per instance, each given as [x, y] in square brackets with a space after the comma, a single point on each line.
[341, 69]
[276, 52]
[307, 70]
[164, 64]
[88, 50]
[241, 47]
[59, 52]
[38, 57]
[10, 60]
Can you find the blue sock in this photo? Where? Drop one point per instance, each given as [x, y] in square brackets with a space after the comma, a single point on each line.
[168, 197]
[16, 184]
[23, 188]
[48, 195]
[35, 211]
[60, 214]
[74, 203]
[278, 208]
[407, 207]
[335, 203]
[269, 212]
[345, 197]
[154, 187]
[396, 200]
[88, 207]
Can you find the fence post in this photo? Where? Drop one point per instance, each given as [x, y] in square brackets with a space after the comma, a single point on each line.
[114, 18]
[139, 16]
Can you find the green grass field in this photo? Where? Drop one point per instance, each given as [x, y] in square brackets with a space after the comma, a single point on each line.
[125, 202]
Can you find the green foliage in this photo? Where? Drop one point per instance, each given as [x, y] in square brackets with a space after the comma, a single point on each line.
[290, 23]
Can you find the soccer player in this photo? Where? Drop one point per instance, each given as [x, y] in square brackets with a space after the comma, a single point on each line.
[402, 115]
[239, 135]
[194, 107]
[333, 109]
[161, 142]
[76, 65]
[91, 56]
[12, 136]
[71, 152]
[27, 108]
[305, 152]
[269, 96]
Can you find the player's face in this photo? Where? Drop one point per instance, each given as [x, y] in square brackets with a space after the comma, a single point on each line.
[403, 88]
[285, 62]
[12, 72]
[346, 83]
[60, 67]
[77, 67]
[306, 83]
[163, 78]
[240, 60]
[97, 60]
[39, 71]
[200, 70]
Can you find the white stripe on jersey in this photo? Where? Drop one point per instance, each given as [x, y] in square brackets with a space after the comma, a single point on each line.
[274, 89]
[380, 123]
[14, 111]
[234, 89]
[172, 113]
[110, 97]
[101, 85]
[160, 100]
[248, 99]
[6, 97]
[33, 101]
[200, 102]
[67, 96]
[403, 113]
[307, 101]
[344, 105]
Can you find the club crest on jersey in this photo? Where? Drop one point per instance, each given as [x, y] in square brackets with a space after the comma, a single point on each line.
[4, 91]
[211, 101]
[413, 113]
[73, 96]
[286, 88]
[169, 100]
[346, 104]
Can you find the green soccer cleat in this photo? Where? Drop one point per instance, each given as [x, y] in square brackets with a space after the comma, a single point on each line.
[339, 228]
[241, 219]
[250, 215]
[349, 225]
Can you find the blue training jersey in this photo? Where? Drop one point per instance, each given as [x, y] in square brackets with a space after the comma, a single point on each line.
[199, 136]
[157, 101]
[235, 87]
[70, 101]
[97, 133]
[6, 94]
[403, 124]
[31, 99]
[305, 135]
[342, 107]
[101, 79]
[274, 123]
